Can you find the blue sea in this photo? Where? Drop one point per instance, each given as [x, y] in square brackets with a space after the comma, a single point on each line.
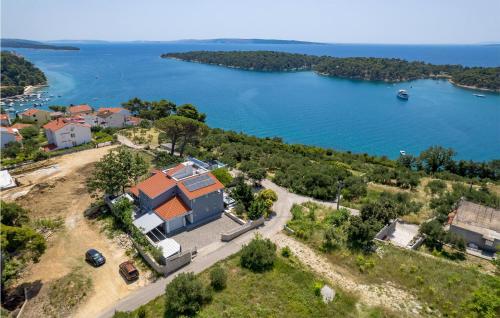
[300, 107]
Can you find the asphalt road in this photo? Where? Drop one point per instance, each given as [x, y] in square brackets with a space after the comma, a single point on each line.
[209, 255]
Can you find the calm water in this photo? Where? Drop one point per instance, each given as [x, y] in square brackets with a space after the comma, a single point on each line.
[301, 107]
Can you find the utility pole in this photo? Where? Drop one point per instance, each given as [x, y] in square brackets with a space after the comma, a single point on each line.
[340, 185]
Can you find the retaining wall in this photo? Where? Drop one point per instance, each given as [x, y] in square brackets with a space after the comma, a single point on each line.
[228, 236]
[386, 230]
[172, 263]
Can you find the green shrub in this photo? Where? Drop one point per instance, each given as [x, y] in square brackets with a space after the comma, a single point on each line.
[436, 187]
[259, 255]
[257, 209]
[185, 295]
[13, 214]
[223, 175]
[218, 278]
[286, 252]
[317, 288]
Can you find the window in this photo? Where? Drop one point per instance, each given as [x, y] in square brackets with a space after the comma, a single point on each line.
[72, 135]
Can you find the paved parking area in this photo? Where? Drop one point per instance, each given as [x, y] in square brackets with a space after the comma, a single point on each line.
[205, 234]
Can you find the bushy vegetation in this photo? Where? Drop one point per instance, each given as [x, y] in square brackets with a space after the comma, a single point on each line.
[115, 171]
[286, 291]
[18, 73]
[447, 289]
[15, 152]
[218, 278]
[223, 175]
[20, 243]
[258, 255]
[185, 295]
[252, 205]
[363, 68]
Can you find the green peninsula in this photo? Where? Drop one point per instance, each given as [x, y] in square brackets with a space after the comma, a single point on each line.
[361, 68]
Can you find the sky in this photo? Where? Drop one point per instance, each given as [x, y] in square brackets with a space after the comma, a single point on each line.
[348, 21]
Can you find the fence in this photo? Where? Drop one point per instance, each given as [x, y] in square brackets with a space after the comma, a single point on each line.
[172, 263]
[226, 237]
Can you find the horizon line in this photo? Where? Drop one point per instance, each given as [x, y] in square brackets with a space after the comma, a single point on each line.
[254, 38]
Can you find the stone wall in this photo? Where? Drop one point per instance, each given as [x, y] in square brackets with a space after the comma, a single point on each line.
[228, 236]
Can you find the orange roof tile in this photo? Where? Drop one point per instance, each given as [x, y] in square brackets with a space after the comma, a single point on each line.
[155, 185]
[61, 122]
[79, 109]
[134, 190]
[202, 191]
[172, 208]
[4, 116]
[30, 112]
[111, 109]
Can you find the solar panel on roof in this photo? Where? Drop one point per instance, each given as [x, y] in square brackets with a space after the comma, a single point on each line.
[199, 182]
[196, 179]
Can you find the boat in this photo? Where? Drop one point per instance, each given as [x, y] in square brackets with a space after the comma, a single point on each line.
[479, 95]
[403, 94]
[402, 153]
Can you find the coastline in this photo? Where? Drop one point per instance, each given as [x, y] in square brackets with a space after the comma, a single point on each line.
[432, 76]
[32, 88]
[474, 87]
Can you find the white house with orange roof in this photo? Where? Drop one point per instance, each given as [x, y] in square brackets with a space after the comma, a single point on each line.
[38, 116]
[83, 109]
[112, 117]
[66, 132]
[9, 134]
[178, 198]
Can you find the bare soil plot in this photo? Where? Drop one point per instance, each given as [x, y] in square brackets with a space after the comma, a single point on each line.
[63, 194]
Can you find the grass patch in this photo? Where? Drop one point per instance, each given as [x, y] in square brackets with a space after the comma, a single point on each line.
[61, 297]
[443, 285]
[285, 291]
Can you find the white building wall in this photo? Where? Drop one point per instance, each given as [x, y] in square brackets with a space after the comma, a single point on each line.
[7, 137]
[72, 135]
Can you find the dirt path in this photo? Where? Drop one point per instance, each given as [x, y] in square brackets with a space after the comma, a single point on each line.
[384, 295]
[62, 193]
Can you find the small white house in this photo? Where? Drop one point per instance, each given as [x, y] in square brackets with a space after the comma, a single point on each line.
[66, 132]
[115, 117]
[9, 134]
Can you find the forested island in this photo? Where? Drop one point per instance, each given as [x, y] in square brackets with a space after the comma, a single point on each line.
[27, 44]
[362, 68]
[17, 73]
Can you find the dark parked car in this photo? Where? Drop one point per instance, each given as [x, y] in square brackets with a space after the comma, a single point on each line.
[129, 271]
[95, 258]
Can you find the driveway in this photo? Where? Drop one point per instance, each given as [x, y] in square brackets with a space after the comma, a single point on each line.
[216, 251]
[206, 234]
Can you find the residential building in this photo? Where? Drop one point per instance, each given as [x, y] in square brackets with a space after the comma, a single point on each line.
[479, 225]
[115, 117]
[83, 109]
[9, 134]
[66, 132]
[4, 120]
[178, 198]
[55, 115]
[38, 116]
